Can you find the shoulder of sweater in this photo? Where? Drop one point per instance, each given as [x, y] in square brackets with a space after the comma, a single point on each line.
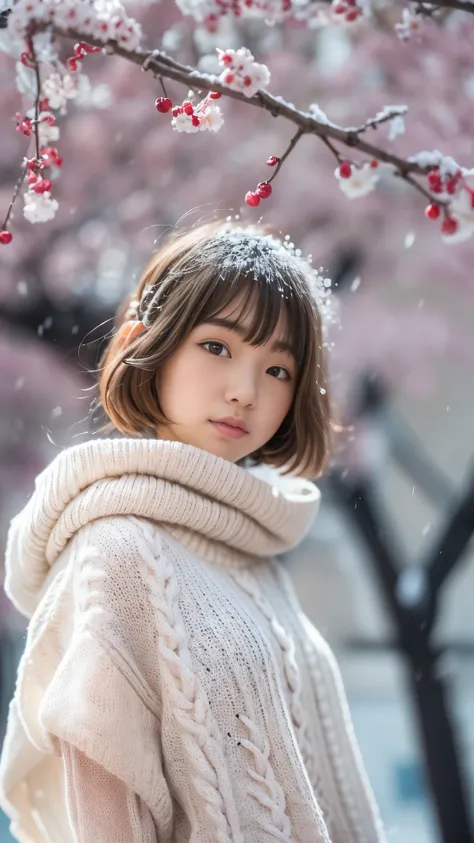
[110, 592]
[110, 560]
[129, 529]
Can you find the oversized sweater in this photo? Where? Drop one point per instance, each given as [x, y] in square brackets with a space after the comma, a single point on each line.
[171, 689]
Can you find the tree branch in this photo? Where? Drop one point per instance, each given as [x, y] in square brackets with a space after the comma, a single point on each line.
[162, 65]
[447, 4]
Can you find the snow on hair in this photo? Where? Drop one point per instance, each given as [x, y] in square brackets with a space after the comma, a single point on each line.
[193, 276]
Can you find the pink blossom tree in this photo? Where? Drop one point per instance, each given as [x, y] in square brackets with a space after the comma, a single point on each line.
[150, 138]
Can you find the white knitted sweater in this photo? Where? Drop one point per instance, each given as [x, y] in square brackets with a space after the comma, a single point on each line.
[171, 690]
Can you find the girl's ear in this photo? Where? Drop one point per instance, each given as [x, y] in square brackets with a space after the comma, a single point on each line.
[128, 331]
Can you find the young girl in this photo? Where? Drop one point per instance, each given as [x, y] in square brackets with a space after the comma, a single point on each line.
[171, 690]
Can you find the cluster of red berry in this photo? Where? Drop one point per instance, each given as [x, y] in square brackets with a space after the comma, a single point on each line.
[449, 184]
[347, 9]
[50, 157]
[164, 105]
[26, 126]
[346, 168]
[81, 50]
[264, 189]
[235, 8]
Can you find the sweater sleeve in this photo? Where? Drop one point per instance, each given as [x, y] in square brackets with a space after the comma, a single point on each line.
[110, 747]
[82, 760]
[358, 811]
[101, 807]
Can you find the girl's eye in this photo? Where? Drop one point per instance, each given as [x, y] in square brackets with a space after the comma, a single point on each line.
[284, 375]
[215, 348]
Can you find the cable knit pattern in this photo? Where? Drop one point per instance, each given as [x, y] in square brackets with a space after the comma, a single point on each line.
[267, 791]
[291, 671]
[190, 704]
[170, 690]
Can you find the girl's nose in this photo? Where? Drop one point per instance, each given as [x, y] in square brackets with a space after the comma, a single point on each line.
[242, 389]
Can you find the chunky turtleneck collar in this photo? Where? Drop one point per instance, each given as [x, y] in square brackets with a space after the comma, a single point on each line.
[220, 511]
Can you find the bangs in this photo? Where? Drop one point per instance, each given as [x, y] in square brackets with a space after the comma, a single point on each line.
[262, 293]
[256, 281]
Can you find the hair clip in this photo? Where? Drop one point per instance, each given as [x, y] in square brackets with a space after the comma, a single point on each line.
[128, 331]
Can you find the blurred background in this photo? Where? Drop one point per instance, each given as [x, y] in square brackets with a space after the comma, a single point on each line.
[386, 573]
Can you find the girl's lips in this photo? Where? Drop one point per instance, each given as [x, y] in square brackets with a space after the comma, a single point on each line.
[229, 430]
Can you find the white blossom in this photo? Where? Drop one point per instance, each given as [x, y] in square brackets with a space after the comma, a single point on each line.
[47, 134]
[184, 123]
[361, 182]
[211, 118]
[243, 73]
[410, 25]
[59, 89]
[462, 210]
[39, 207]
[102, 20]
[271, 11]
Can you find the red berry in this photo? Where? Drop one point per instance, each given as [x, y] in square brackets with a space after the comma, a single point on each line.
[374, 164]
[215, 95]
[6, 237]
[195, 120]
[32, 177]
[252, 199]
[434, 180]
[87, 48]
[272, 161]
[247, 81]
[345, 170]
[264, 190]
[449, 226]
[176, 111]
[72, 65]
[352, 15]
[229, 78]
[25, 126]
[339, 8]
[41, 185]
[163, 104]
[27, 59]
[51, 157]
[432, 212]
[225, 58]
[188, 108]
[451, 185]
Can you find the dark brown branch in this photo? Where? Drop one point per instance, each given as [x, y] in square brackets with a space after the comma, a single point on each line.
[294, 140]
[162, 65]
[449, 4]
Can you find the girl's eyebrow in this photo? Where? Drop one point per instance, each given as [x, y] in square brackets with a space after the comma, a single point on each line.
[278, 345]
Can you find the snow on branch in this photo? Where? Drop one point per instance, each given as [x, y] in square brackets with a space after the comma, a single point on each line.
[101, 26]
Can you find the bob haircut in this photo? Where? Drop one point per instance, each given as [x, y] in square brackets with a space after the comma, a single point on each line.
[190, 279]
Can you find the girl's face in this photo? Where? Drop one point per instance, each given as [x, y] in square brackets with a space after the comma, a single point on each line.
[214, 376]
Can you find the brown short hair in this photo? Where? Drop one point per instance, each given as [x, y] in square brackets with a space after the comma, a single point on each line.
[192, 277]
